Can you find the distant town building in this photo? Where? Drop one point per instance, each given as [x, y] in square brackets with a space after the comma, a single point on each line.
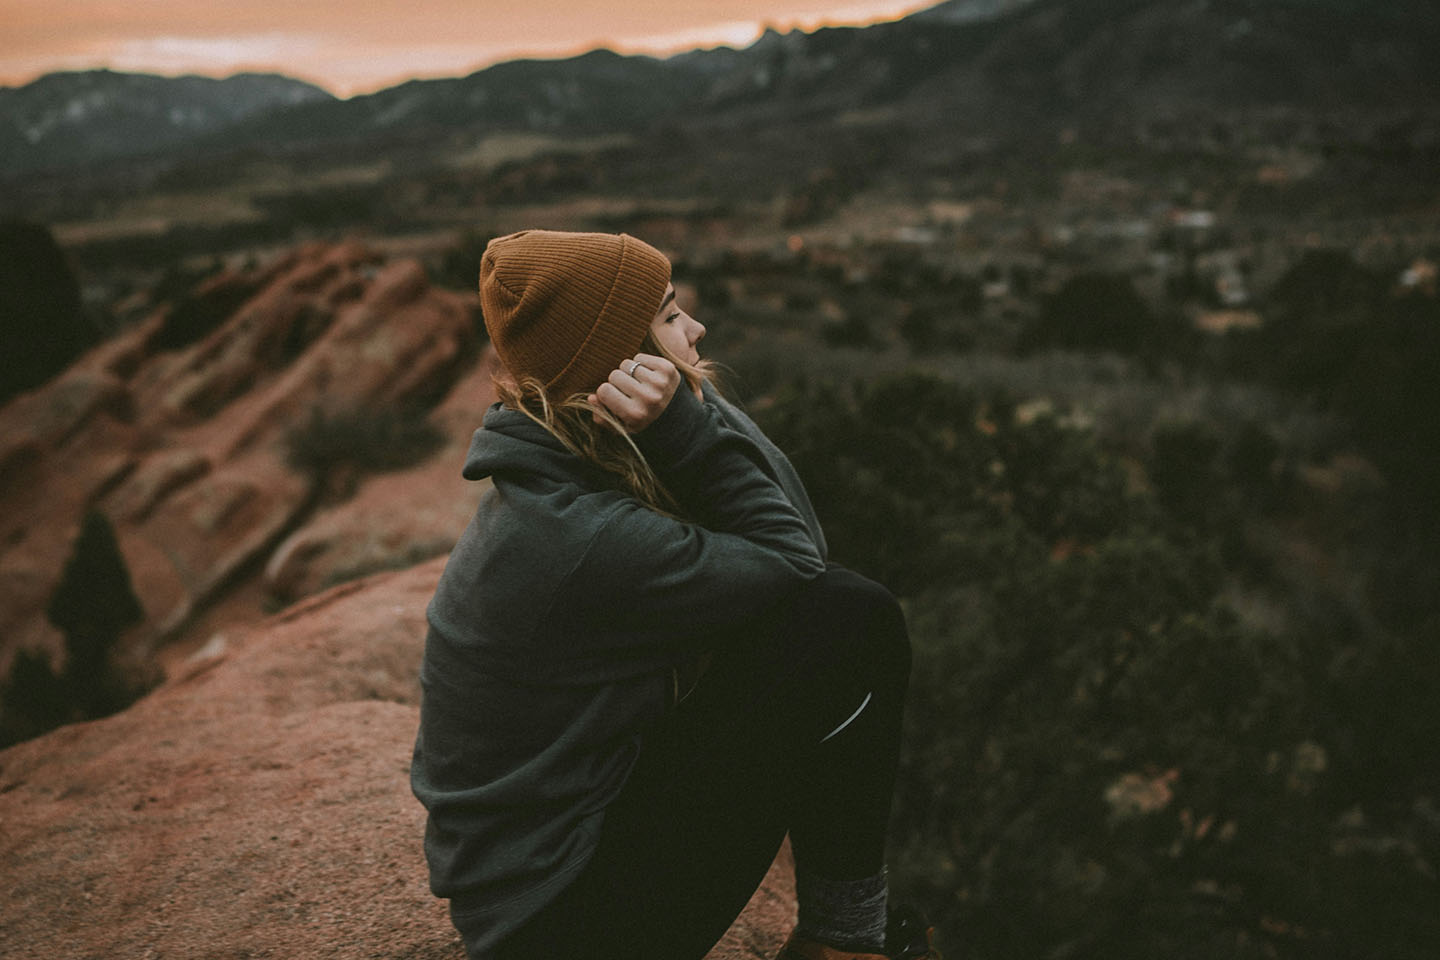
[1420, 275]
[1223, 321]
[1193, 219]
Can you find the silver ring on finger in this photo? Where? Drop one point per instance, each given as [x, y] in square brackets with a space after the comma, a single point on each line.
[635, 365]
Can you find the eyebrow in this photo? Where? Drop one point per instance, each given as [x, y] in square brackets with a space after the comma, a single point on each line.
[669, 298]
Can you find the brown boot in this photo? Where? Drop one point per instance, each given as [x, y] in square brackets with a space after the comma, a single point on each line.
[798, 948]
[908, 936]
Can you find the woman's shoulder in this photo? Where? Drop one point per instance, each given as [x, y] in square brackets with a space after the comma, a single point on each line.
[546, 512]
[733, 413]
[738, 420]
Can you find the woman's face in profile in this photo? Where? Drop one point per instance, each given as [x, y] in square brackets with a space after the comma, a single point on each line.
[676, 330]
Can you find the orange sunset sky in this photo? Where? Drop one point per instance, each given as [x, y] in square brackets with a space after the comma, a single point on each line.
[358, 46]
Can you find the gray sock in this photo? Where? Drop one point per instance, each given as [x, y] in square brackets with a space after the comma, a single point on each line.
[849, 914]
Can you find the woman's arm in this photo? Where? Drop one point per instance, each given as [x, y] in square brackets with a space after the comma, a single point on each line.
[646, 575]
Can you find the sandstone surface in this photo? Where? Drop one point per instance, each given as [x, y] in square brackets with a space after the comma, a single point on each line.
[255, 805]
[392, 519]
[177, 429]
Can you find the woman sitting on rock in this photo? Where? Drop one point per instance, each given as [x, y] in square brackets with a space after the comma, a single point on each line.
[640, 672]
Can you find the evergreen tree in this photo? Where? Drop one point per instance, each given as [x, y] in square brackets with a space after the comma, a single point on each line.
[92, 605]
[43, 327]
[32, 699]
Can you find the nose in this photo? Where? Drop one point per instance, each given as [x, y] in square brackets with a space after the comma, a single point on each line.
[697, 332]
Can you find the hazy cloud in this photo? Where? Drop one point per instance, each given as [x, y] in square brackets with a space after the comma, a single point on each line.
[362, 45]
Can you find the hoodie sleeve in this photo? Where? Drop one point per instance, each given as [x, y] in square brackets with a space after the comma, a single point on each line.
[649, 577]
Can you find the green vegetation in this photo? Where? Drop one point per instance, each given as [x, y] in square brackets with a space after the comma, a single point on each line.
[197, 311]
[42, 326]
[362, 440]
[1105, 757]
[93, 604]
[1175, 593]
[1096, 311]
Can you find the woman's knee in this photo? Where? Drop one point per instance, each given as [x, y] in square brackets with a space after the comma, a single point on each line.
[864, 614]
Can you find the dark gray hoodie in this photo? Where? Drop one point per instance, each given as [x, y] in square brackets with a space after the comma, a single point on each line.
[554, 627]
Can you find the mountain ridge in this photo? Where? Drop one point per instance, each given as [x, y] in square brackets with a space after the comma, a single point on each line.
[100, 114]
[1006, 68]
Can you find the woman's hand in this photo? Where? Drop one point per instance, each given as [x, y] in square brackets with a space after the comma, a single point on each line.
[638, 390]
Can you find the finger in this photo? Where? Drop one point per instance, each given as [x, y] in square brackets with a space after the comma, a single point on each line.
[657, 372]
[624, 407]
[633, 386]
[648, 375]
[638, 369]
[658, 364]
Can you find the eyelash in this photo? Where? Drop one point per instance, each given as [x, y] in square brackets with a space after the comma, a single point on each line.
[672, 317]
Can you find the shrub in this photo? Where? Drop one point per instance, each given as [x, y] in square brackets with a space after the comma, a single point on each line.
[459, 266]
[92, 605]
[364, 439]
[1093, 310]
[852, 331]
[925, 329]
[32, 699]
[196, 313]
[1183, 468]
[42, 326]
[1100, 759]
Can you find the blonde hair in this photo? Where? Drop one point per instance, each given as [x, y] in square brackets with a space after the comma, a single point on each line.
[607, 444]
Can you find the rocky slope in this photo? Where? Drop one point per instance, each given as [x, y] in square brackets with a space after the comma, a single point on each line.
[181, 431]
[256, 805]
[257, 802]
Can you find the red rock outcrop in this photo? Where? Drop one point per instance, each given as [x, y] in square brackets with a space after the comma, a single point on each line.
[255, 805]
[394, 518]
[176, 429]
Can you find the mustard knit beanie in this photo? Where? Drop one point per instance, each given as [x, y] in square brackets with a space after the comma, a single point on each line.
[566, 308]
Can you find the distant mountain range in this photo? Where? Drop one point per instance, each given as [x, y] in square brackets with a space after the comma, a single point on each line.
[66, 119]
[997, 68]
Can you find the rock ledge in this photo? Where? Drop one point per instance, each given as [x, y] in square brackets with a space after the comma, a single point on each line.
[256, 805]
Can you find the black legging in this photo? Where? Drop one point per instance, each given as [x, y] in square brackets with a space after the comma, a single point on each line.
[738, 764]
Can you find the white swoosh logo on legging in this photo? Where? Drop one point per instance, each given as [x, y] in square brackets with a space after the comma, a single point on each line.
[863, 704]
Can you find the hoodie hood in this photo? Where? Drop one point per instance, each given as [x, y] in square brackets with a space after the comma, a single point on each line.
[509, 442]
